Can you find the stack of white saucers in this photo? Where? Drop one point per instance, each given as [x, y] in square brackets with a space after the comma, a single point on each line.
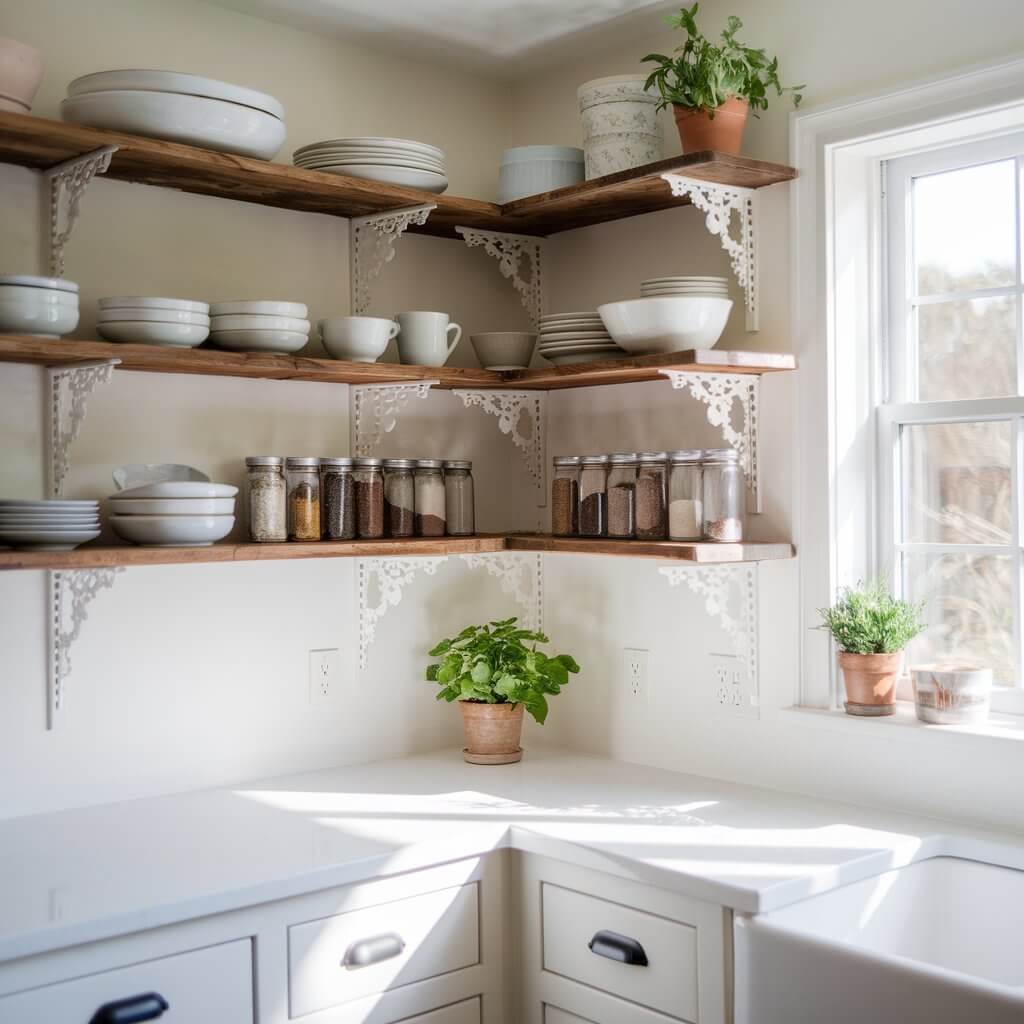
[393, 161]
[174, 513]
[262, 325]
[708, 287]
[47, 306]
[575, 338]
[148, 320]
[48, 525]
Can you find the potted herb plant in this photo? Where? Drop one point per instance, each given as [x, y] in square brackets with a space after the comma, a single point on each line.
[494, 672]
[713, 87]
[871, 628]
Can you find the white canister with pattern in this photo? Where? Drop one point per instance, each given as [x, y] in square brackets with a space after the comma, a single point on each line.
[620, 124]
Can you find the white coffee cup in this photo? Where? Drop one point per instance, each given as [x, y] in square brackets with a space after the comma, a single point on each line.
[358, 339]
[423, 338]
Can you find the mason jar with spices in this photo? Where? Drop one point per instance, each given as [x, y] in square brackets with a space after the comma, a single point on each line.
[460, 514]
[651, 489]
[268, 499]
[337, 499]
[369, 479]
[685, 495]
[399, 497]
[303, 477]
[724, 496]
[430, 498]
[593, 515]
[622, 470]
[565, 495]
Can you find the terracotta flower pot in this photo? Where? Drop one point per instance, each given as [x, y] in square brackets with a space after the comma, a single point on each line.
[723, 132]
[870, 681]
[492, 732]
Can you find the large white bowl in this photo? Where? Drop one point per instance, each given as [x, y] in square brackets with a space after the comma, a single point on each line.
[504, 350]
[196, 120]
[172, 531]
[259, 322]
[146, 332]
[140, 474]
[32, 281]
[357, 339]
[40, 296]
[261, 340]
[260, 307]
[154, 316]
[425, 181]
[152, 302]
[172, 506]
[46, 539]
[37, 318]
[179, 489]
[668, 324]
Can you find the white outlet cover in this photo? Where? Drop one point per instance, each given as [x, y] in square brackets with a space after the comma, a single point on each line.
[634, 674]
[324, 676]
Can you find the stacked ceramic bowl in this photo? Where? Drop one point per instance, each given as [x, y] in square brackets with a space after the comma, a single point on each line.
[180, 107]
[393, 161]
[174, 513]
[259, 325]
[21, 71]
[715, 287]
[575, 338]
[150, 320]
[47, 306]
[48, 525]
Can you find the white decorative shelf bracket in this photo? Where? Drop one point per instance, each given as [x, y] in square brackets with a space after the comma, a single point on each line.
[521, 575]
[386, 402]
[718, 391]
[730, 596]
[69, 180]
[71, 591]
[511, 251]
[372, 244]
[719, 202]
[69, 390]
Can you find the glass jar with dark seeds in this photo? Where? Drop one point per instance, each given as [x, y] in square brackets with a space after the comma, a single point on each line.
[337, 499]
[651, 496]
[593, 514]
[565, 496]
[399, 497]
[369, 479]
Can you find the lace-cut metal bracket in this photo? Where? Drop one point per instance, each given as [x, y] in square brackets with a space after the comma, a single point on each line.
[376, 409]
[511, 252]
[69, 181]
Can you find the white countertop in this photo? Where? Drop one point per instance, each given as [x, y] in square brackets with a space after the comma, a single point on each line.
[81, 875]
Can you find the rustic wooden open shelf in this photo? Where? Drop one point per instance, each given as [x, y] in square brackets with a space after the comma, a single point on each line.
[39, 143]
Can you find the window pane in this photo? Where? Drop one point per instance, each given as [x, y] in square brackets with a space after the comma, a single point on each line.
[969, 611]
[965, 228]
[957, 483]
[967, 349]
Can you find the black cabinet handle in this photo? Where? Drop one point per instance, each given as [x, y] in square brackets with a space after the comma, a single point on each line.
[618, 947]
[373, 951]
[148, 1006]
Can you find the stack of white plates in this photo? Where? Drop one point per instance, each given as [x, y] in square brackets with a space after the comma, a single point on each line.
[711, 287]
[174, 513]
[575, 338]
[259, 325]
[48, 525]
[393, 161]
[47, 306]
[147, 320]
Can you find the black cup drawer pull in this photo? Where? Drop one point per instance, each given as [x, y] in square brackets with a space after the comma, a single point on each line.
[618, 947]
[133, 1010]
[373, 951]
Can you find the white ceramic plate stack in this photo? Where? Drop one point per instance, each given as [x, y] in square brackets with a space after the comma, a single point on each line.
[713, 287]
[183, 108]
[47, 306]
[393, 161]
[174, 513]
[575, 338]
[259, 325]
[150, 320]
[48, 525]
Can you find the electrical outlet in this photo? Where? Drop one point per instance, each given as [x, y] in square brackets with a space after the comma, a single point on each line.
[729, 686]
[634, 671]
[324, 676]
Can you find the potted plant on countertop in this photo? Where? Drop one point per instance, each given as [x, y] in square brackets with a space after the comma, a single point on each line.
[871, 628]
[712, 87]
[494, 672]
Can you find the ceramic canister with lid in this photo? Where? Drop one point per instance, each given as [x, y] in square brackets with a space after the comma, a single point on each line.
[620, 124]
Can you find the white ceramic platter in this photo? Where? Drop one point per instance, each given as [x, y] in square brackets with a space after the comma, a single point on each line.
[569, 316]
[686, 279]
[260, 307]
[139, 474]
[375, 142]
[425, 181]
[49, 540]
[258, 322]
[172, 506]
[595, 335]
[172, 531]
[152, 302]
[154, 316]
[179, 489]
[30, 281]
[12, 529]
[261, 341]
[582, 357]
[144, 332]
[12, 517]
[375, 161]
[40, 296]
[54, 504]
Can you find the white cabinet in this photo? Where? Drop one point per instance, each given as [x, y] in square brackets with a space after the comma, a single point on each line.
[467, 1012]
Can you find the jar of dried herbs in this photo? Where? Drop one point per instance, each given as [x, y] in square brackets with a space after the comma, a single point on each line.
[724, 496]
[337, 499]
[369, 479]
[303, 479]
[267, 498]
[460, 518]
[622, 470]
[565, 496]
[399, 497]
[593, 515]
[430, 498]
[651, 491]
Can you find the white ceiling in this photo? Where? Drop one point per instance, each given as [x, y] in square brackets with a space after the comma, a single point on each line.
[496, 38]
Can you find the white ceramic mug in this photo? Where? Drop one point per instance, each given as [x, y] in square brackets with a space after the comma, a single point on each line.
[358, 339]
[423, 338]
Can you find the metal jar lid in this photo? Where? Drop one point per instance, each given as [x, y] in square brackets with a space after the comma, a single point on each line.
[721, 455]
[566, 460]
[686, 455]
[652, 457]
[622, 458]
[264, 460]
[336, 463]
[594, 460]
[301, 462]
[429, 464]
[369, 463]
[458, 464]
[399, 463]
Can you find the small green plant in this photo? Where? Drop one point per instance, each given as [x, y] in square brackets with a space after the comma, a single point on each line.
[703, 76]
[500, 664]
[868, 620]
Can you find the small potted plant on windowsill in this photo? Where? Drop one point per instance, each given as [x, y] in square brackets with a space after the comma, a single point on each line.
[495, 671]
[871, 628]
[712, 88]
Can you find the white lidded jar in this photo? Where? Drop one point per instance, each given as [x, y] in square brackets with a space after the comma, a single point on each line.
[620, 124]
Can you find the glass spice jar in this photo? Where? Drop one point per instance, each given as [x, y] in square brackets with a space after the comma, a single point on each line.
[430, 498]
[565, 496]
[369, 478]
[303, 478]
[593, 514]
[337, 499]
[460, 518]
[685, 495]
[399, 497]
[622, 469]
[724, 495]
[267, 498]
[651, 488]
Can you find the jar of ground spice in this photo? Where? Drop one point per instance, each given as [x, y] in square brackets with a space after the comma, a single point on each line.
[593, 514]
[565, 495]
[685, 495]
[622, 470]
[460, 515]
[430, 498]
[399, 497]
[268, 499]
[303, 479]
[337, 499]
[724, 496]
[369, 477]
[651, 491]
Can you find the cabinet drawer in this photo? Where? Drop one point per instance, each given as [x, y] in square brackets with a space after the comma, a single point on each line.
[668, 980]
[349, 956]
[205, 986]
[467, 1012]
[553, 1015]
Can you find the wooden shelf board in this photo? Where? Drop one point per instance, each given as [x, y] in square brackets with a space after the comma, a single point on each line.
[40, 143]
[706, 553]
